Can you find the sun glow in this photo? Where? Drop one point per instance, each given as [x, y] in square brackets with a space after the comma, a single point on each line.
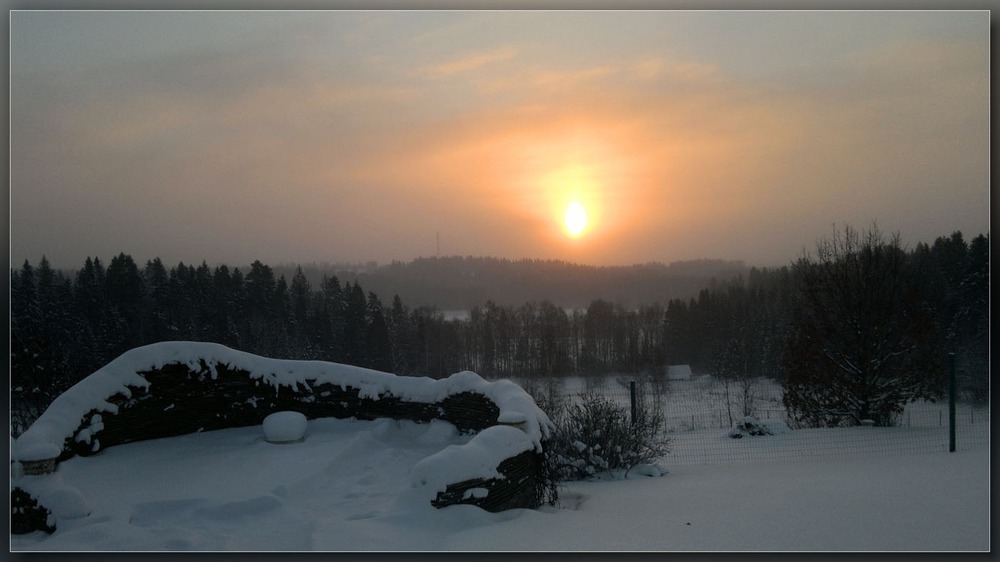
[573, 185]
[575, 219]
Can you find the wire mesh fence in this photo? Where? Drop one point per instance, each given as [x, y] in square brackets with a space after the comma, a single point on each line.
[700, 414]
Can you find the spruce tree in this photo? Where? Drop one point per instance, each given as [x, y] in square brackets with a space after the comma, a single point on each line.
[300, 295]
[155, 279]
[352, 336]
[378, 349]
[125, 293]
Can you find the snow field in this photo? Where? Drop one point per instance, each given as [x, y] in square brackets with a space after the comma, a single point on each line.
[366, 486]
[937, 502]
[697, 424]
[231, 490]
[347, 487]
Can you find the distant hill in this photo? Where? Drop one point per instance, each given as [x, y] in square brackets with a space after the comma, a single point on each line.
[459, 283]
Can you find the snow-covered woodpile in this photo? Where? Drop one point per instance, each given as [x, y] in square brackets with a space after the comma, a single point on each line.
[176, 388]
[26, 515]
[519, 486]
[181, 400]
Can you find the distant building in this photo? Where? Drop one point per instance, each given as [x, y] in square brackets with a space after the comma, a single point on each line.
[679, 372]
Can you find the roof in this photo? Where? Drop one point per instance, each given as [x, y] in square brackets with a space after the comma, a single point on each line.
[679, 372]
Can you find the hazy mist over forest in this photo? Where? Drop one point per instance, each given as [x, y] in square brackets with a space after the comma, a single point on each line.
[456, 283]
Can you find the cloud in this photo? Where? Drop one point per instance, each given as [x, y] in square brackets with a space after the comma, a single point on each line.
[572, 79]
[468, 63]
[664, 68]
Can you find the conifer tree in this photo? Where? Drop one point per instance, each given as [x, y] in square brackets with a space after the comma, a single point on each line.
[400, 336]
[378, 352]
[352, 336]
[155, 279]
[125, 292]
[331, 318]
[300, 296]
[260, 287]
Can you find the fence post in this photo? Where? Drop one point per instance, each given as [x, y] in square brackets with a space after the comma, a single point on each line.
[631, 390]
[951, 402]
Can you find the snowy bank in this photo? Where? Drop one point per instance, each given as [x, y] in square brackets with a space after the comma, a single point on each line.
[175, 388]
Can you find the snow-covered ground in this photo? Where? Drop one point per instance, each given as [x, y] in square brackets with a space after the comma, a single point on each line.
[352, 485]
[697, 413]
[347, 487]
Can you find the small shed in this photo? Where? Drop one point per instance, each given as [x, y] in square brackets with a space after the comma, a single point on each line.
[679, 372]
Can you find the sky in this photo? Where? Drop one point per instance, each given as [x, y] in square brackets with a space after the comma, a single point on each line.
[349, 136]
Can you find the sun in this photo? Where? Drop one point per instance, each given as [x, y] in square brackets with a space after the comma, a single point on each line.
[575, 219]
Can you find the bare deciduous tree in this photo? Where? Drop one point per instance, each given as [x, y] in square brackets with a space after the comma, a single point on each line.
[863, 340]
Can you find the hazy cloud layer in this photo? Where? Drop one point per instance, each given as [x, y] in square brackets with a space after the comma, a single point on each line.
[359, 135]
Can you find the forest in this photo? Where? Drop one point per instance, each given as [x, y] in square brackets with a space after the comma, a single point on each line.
[65, 325]
[462, 282]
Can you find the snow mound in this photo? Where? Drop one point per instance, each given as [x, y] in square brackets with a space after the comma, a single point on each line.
[285, 427]
[479, 458]
[63, 500]
[33, 451]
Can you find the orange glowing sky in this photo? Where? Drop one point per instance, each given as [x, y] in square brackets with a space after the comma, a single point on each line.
[356, 136]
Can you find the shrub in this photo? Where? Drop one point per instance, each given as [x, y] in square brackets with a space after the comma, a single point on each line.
[595, 436]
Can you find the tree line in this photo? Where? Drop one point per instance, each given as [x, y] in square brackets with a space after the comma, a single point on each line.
[66, 325]
[461, 282]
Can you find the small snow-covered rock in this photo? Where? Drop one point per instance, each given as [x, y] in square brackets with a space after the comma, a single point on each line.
[66, 503]
[285, 427]
[753, 427]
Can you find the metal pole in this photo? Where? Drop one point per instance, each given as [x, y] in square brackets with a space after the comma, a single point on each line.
[951, 402]
[631, 388]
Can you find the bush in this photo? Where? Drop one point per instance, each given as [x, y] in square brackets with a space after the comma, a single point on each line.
[595, 436]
